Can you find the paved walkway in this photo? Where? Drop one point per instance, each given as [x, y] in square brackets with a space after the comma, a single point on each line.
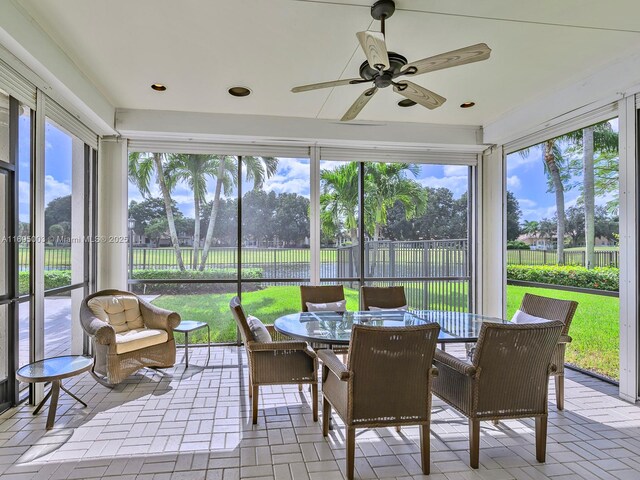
[195, 424]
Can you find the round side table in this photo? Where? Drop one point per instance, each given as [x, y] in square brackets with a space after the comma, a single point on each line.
[54, 370]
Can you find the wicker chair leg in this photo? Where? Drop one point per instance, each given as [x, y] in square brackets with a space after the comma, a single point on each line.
[326, 416]
[474, 442]
[560, 391]
[299, 387]
[351, 451]
[101, 380]
[314, 399]
[541, 438]
[255, 404]
[398, 428]
[425, 448]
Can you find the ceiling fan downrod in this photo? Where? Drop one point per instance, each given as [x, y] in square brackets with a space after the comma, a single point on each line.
[381, 10]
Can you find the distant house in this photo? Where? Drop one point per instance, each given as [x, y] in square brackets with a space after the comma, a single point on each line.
[537, 243]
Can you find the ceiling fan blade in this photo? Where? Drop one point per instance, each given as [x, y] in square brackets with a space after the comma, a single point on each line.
[419, 94]
[334, 83]
[375, 49]
[358, 105]
[462, 56]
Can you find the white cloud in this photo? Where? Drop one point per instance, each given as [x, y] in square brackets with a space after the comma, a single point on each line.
[526, 203]
[513, 182]
[455, 170]
[54, 189]
[458, 184]
[516, 160]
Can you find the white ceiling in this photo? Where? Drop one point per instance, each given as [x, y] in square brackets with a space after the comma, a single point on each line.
[200, 48]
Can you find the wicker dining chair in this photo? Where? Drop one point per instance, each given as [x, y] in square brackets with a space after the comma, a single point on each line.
[387, 382]
[282, 361]
[507, 378]
[553, 309]
[320, 294]
[383, 297]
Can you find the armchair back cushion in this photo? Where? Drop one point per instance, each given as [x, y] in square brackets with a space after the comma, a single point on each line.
[122, 312]
[390, 368]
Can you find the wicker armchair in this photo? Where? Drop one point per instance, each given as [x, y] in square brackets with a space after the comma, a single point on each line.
[127, 334]
[387, 382]
[508, 378]
[280, 362]
[553, 309]
[383, 297]
[320, 294]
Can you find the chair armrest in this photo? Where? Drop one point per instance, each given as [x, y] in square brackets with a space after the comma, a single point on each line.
[565, 339]
[333, 363]
[456, 364]
[158, 318]
[279, 346]
[102, 332]
[276, 336]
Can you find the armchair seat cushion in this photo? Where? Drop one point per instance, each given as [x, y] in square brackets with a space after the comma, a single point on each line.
[139, 338]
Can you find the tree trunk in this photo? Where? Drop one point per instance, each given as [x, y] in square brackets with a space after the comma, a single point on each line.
[157, 158]
[558, 188]
[196, 232]
[589, 196]
[214, 213]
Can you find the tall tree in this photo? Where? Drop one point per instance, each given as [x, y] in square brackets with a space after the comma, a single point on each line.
[553, 160]
[194, 170]
[142, 167]
[256, 170]
[339, 200]
[588, 197]
[513, 217]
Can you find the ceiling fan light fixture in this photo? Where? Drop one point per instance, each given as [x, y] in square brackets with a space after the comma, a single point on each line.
[467, 104]
[239, 91]
[158, 87]
[406, 103]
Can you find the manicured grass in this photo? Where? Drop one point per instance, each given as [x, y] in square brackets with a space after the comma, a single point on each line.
[267, 304]
[595, 328]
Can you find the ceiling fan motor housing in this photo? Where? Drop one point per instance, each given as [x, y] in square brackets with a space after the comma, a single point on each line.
[383, 79]
[383, 9]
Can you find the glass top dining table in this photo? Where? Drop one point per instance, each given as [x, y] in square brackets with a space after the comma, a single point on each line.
[334, 328]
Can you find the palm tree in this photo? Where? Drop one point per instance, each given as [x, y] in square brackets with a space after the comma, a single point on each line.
[193, 170]
[257, 169]
[339, 200]
[531, 227]
[387, 185]
[142, 167]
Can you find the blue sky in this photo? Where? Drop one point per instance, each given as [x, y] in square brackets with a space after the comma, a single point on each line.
[292, 176]
[528, 182]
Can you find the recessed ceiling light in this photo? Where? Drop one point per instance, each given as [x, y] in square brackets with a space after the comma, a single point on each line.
[239, 91]
[467, 104]
[158, 87]
[406, 103]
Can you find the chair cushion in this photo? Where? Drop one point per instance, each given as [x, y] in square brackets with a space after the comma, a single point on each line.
[122, 312]
[339, 306]
[523, 317]
[376, 309]
[139, 338]
[258, 330]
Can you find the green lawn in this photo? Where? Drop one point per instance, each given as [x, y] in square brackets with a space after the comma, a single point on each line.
[595, 329]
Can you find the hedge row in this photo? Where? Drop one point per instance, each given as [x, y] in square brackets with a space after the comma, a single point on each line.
[192, 288]
[52, 279]
[600, 278]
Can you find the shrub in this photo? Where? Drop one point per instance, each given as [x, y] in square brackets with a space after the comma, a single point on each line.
[517, 245]
[601, 278]
[188, 288]
[52, 279]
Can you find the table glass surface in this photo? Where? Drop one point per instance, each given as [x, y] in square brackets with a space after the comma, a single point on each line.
[55, 367]
[189, 326]
[335, 328]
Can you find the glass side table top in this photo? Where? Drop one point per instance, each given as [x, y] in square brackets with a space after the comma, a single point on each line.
[335, 328]
[54, 368]
[189, 326]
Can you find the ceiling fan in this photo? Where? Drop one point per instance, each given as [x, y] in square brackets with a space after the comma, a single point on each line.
[383, 67]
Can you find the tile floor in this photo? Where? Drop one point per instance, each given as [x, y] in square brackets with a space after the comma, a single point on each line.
[195, 424]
